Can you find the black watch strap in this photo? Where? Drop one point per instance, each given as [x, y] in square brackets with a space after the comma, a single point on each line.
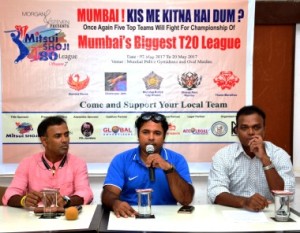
[67, 200]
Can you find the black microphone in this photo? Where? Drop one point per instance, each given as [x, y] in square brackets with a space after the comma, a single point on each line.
[150, 150]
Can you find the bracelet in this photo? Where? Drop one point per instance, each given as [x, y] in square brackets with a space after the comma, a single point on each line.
[22, 202]
[270, 166]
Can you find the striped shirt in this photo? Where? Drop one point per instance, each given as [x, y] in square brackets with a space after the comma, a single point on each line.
[233, 171]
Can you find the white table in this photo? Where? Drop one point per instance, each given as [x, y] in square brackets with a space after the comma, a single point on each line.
[205, 218]
[22, 220]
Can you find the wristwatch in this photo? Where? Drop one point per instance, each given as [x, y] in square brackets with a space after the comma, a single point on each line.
[270, 166]
[67, 200]
[170, 170]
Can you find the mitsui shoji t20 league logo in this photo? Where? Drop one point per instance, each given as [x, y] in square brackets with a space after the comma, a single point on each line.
[39, 44]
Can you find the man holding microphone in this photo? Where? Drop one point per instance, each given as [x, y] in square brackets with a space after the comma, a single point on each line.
[149, 166]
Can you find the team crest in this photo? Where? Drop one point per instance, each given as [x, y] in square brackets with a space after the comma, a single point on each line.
[226, 80]
[76, 83]
[152, 81]
[189, 80]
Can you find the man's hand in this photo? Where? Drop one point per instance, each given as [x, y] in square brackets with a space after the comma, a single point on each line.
[256, 203]
[33, 198]
[60, 200]
[257, 146]
[155, 160]
[123, 209]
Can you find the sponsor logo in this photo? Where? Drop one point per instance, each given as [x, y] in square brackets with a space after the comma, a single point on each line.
[117, 131]
[49, 21]
[56, 23]
[233, 127]
[132, 178]
[87, 129]
[196, 131]
[219, 128]
[24, 127]
[172, 130]
[172, 127]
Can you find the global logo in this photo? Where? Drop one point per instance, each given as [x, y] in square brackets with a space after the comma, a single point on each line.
[117, 130]
[23, 128]
[219, 128]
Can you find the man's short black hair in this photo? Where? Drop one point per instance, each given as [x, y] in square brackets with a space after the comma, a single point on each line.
[251, 109]
[49, 121]
[153, 116]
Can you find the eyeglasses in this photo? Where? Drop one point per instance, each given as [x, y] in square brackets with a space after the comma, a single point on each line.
[156, 117]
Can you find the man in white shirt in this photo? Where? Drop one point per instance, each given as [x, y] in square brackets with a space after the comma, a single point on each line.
[244, 174]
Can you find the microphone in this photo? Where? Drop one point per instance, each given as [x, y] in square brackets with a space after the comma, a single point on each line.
[150, 150]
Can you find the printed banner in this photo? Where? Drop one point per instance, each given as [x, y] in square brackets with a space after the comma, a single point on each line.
[101, 63]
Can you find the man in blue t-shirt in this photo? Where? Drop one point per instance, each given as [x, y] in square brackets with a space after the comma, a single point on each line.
[149, 166]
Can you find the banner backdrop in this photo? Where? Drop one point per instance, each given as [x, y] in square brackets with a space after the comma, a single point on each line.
[101, 63]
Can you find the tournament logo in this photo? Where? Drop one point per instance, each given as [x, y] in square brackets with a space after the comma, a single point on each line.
[226, 80]
[219, 128]
[78, 83]
[40, 44]
[152, 81]
[189, 80]
[24, 127]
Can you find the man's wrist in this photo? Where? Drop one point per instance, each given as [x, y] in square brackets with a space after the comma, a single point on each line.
[170, 170]
[265, 159]
[114, 203]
